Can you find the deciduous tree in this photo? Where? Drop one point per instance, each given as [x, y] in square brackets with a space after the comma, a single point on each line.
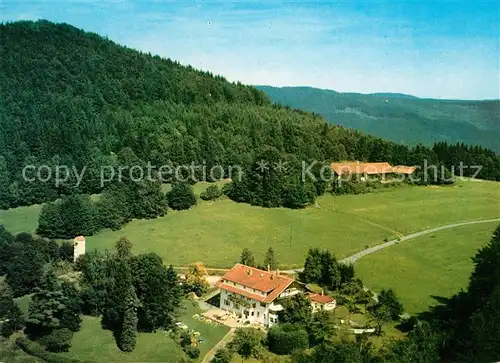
[181, 196]
[296, 310]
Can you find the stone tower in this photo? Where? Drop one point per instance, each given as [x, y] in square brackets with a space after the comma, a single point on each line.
[78, 247]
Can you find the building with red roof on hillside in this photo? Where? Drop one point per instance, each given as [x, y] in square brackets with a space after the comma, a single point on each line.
[254, 294]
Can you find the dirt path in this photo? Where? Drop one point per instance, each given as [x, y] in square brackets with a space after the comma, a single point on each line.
[208, 357]
[357, 256]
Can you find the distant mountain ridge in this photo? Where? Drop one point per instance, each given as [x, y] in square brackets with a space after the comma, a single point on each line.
[400, 117]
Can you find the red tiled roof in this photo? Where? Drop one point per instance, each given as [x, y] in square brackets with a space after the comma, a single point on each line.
[355, 167]
[253, 278]
[322, 299]
[80, 238]
[403, 169]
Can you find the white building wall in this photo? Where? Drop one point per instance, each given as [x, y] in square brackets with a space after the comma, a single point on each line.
[316, 306]
[262, 312]
[257, 312]
[78, 248]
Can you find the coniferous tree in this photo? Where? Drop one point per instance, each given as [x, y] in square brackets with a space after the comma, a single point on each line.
[73, 216]
[388, 298]
[53, 314]
[128, 333]
[50, 221]
[247, 258]
[313, 267]
[25, 268]
[11, 316]
[5, 197]
[6, 240]
[70, 318]
[120, 308]
[151, 201]
[94, 269]
[113, 209]
[421, 346]
[270, 259]
[158, 291]
[322, 268]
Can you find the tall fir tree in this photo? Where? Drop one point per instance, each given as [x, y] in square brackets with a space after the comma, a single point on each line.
[247, 258]
[11, 316]
[127, 337]
[270, 261]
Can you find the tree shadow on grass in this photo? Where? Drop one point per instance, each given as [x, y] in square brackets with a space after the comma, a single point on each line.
[438, 314]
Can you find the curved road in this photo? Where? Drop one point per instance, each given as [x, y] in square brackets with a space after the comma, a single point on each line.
[357, 256]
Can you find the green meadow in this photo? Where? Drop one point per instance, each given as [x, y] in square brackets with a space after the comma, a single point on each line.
[94, 344]
[216, 232]
[437, 264]
[22, 219]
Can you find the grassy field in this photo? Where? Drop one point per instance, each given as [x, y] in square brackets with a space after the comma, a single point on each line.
[22, 219]
[437, 264]
[216, 232]
[92, 343]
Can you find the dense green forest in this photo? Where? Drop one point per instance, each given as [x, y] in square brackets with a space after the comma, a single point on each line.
[398, 117]
[74, 98]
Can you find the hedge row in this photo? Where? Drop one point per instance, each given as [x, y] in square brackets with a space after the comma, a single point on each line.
[36, 350]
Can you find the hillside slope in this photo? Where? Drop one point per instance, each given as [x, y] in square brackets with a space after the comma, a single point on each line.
[400, 118]
[69, 97]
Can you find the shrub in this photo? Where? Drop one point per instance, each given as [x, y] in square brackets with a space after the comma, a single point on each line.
[185, 339]
[36, 350]
[285, 338]
[226, 188]
[211, 193]
[223, 355]
[181, 197]
[192, 352]
[59, 340]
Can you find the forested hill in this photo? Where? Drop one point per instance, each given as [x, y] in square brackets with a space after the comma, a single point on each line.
[398, 117]
[75, 98]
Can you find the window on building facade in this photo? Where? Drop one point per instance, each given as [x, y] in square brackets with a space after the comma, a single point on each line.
[254, 305]
[263, 304]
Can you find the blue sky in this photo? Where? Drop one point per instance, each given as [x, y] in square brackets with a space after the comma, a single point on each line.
[428, 49]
